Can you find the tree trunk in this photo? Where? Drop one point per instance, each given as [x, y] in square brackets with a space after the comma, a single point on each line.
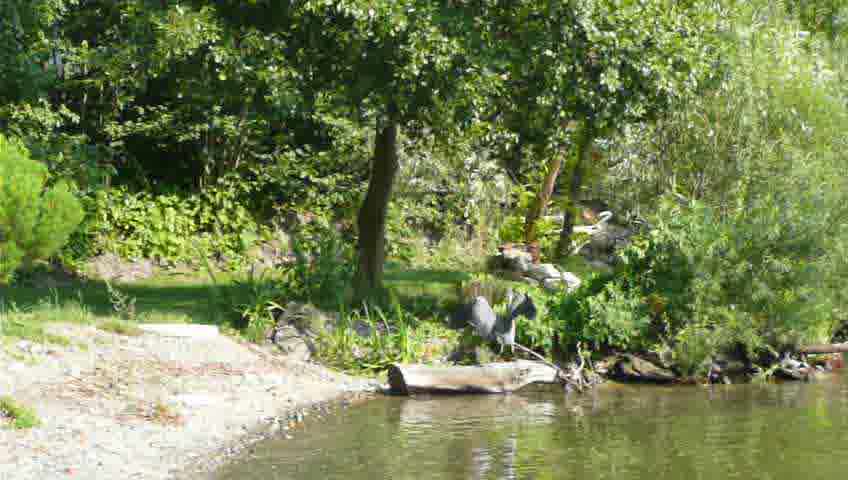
[489, 378]
[825, 348]
[372, 214]
[538, 208]
[582, 156]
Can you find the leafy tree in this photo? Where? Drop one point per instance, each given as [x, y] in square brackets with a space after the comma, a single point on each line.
[392, 64]
[35, 221]
[578, 70]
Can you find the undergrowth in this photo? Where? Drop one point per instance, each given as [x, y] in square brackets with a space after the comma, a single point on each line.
[20, 416]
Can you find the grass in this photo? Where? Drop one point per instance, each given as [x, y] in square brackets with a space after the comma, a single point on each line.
[412, 328]
[120, 327]
[164, 414]
[26, 310]
[21, 416]
[29, 325]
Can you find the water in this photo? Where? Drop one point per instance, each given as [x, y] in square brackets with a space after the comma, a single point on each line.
[789, 431]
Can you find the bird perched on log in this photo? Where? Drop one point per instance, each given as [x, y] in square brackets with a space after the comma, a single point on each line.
[496, 328]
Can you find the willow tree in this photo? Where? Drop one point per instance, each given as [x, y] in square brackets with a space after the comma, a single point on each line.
[579, 70]
[388, 64]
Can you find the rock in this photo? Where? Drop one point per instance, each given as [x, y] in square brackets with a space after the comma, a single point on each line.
[112, 267]
[16, 367]
[293, 342]
[516, 260]
[512, 258]
[543, 271]
[179, 330]
[306, 317]
[632, 368]
[603, 244]
[190, 400]
[270, 254]
[521, 264]
[791, 369]
[572, 280]
[553, 284]
[730, 365]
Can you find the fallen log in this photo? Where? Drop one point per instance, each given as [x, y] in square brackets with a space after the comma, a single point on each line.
[489, 378]
[824, 348]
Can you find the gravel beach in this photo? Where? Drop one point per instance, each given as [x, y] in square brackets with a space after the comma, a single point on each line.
[151, 406]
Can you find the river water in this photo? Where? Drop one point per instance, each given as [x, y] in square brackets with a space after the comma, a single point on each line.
[771, 432]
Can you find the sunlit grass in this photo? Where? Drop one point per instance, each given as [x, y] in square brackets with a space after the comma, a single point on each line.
[20, 416]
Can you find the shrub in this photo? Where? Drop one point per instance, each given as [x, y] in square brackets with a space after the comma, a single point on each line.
[757, 258]
[700, 283]
[21, 417]
[175, 227]
[36, 219]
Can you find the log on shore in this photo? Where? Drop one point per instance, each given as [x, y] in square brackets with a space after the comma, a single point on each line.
[824, 348]
[489, 378]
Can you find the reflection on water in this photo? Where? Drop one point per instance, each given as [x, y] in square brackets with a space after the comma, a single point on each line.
[790, 431]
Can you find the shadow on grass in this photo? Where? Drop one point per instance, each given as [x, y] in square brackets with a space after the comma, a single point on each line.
[158, 300]
[197, 299]
[427, 293]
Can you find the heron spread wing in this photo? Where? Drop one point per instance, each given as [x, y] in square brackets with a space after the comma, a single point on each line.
[482, 318]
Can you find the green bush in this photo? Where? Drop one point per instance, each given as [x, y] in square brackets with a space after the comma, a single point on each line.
[175, 227]
[756, 260]
[35, 219]
[20, 416]
[700, 283]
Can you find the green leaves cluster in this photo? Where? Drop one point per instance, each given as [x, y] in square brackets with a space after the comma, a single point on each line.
[36, 219]
[176, 227]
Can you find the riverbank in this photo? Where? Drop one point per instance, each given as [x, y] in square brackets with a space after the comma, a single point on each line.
[150, 406]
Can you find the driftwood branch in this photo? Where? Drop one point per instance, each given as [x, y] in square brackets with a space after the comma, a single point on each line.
[489, 378]
[824, 348]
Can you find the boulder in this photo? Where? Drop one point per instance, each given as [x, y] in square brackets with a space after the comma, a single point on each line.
[180, 330]
[298, 324]
[520, 264]
[791, 369]
[292, 342]
[306, 317]
[632, 368]
[729, 365]
[572, 280]
[516, 260]
[111, 267]
[603, 244]
[553, 284]
[544, 271]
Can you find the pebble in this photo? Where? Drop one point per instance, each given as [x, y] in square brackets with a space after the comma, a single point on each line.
[16, 367]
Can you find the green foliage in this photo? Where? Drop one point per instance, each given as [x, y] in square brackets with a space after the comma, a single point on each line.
[120, 327]
[176, 227]
[395, 336]
[257, 314]
[700, 283]
[323, 269]
[763, 259]
[21, 416]
[320, 275]
[35, 219]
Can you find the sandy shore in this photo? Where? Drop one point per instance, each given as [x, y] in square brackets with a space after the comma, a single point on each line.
[151, 407]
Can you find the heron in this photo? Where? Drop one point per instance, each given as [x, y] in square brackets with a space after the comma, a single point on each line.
[497, 328]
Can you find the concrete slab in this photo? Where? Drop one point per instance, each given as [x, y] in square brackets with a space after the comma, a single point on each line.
[182, 330]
